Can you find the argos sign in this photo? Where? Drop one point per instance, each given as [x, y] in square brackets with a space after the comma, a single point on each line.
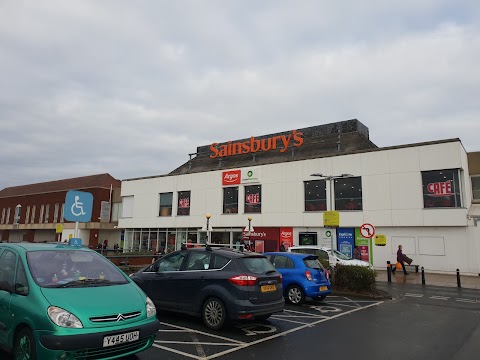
[440, 188]
[286, 237]
[231, 177]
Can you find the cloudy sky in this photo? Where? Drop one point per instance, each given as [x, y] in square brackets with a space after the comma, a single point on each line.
[132, 87]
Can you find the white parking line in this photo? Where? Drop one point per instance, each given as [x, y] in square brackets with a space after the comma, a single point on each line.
[245, 345]
[305, 313]
[414, 295]
[335, 303]
[439, 297]
[470, 301]
[282, 318]
[193, 343]
[178, 352]
[204, 333]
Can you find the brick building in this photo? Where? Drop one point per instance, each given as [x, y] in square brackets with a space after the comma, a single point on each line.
[32, 212]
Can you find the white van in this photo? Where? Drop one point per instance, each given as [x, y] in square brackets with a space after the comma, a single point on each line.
[325, 254]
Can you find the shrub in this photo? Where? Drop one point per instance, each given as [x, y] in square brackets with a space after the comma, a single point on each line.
[325, 263]
[356, 278]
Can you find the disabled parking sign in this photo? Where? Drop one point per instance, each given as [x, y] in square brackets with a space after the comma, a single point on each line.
[78, 206]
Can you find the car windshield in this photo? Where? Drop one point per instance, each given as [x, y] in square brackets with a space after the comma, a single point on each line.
[341, 256]
[72, 268]
[257, 265]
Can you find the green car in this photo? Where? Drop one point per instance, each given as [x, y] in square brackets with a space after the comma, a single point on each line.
[59, 301]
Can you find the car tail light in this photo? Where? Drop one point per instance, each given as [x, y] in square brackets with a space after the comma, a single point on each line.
[308, 275]
[280, 278]
[246, 316]
[327, 275]
[243, 280]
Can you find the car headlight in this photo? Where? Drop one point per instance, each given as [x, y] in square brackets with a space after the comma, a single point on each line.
[151, 310]
[63, 318]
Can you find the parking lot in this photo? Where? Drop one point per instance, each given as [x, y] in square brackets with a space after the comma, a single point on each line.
[186, 337]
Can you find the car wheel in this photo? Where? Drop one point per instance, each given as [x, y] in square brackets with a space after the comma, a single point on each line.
[24, 346]
[295, 295]
[321, 297]
[262, 317]
[214, 313]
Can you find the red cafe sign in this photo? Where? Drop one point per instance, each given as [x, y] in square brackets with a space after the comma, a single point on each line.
[440, 188]
[253, 198]
[253, 145]
[232, 177]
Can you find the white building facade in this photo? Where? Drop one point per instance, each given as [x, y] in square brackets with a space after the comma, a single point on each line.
[416, 195]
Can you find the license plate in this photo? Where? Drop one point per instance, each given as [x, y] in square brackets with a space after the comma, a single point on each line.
[267, 288]
[323, 288]
[120, 338]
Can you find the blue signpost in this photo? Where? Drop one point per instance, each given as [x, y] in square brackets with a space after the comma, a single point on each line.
[78, 207]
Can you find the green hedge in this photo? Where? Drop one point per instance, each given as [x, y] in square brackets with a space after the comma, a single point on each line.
[356, 278]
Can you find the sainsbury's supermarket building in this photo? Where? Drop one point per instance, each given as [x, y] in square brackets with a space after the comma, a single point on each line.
[417, 195]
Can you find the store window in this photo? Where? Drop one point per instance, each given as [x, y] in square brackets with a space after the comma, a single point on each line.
[7, 219]
[3, 216]
[166, 201]
[27, 215]
[47, 212]
[55, 212]
[230, 200]
[348, 193]
[253, 199]
[441, 188]
[476, 187]
[16, 216]
[42, 210]
[307, 238]
[315, 195]
[183, 203]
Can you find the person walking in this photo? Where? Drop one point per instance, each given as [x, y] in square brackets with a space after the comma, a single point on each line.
[282, 247]
[401, 260]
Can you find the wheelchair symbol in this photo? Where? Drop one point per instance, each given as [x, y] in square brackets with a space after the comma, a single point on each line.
[77, 207]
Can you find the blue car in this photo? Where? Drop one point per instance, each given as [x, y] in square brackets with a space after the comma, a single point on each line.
[302, 275]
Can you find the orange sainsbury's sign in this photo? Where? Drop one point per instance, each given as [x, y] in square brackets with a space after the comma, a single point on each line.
[253, 145]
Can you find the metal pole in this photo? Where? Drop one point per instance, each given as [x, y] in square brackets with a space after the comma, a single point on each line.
[423, 276]
[389, 272]
[76, 229]
[458, 278]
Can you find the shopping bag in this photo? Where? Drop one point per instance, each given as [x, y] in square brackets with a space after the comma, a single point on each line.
[398, 265]
[407, 259]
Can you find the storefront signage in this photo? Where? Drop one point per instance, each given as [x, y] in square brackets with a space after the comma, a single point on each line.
[345, 241]
[367, 230]
[251, 175]
[363, 245]
[440, 188]
[286, 237]
[231, 177]
[253, 198]
[253, 145]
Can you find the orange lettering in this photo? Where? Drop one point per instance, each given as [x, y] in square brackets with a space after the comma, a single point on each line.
[285, 141]
[298, 137]
[214, 150]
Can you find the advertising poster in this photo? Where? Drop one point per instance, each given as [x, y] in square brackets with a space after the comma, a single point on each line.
[259, 246]
[286, 237]
[362, 244]
[345, 241]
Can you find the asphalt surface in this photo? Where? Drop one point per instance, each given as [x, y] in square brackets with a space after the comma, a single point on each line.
[418, 323]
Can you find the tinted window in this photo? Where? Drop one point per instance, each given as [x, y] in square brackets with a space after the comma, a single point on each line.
[198, 261]
[348, 193]
[441, 189]
[172, 262]
[283, 262]
[315, 195]
[253, 199]
[21, 283]
[313, 263]
[183, 203]
[7, 267]
[219, 262]
[307, 238]
[256, 265]
[166, 200]
[230, 200]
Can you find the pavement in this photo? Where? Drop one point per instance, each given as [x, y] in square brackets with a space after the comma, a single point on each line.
[447, 280]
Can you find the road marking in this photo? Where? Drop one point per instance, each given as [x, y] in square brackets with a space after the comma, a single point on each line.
[304, 313]
[292, 321]
[245, 345]
[204, 333]
[439, 297]
[414, 295]
[326, 309]
[198, 346]
[193, 343]
[178, 352]
[470, 301]
[352, 306]
[176, 331]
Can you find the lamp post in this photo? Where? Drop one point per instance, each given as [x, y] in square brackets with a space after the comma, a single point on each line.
[249, 229]
[330, 179]
[208, 216]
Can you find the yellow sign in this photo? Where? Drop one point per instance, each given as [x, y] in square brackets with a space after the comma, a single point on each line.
[380, 240]
[59, 228]
[331, 219]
